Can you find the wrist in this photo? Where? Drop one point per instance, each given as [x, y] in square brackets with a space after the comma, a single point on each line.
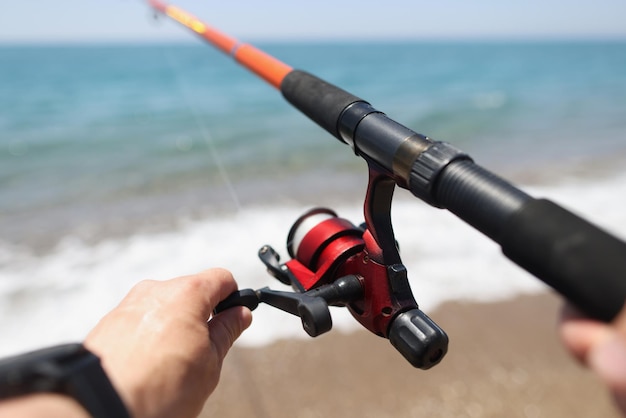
[68, 370]
[42, 404]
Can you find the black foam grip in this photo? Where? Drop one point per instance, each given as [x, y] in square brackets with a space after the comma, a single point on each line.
[579, 260]
[317, 99]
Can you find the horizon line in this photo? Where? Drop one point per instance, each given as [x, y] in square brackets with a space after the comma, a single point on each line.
[323, 40]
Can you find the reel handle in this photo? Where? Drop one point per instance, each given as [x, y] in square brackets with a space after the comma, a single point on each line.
[243, 297]
[312, 310]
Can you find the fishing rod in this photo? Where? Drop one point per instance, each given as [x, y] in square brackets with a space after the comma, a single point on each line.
[337, 263]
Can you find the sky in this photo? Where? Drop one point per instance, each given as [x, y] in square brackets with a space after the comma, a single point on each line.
[131, 21]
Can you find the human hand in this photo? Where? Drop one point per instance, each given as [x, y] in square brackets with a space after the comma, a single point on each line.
[599, 346]
[157, 348]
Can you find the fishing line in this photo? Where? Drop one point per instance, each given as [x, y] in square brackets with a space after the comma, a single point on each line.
[202, 128]
[239, 363]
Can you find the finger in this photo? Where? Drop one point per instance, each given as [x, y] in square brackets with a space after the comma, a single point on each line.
[226, 327]
[608, 359]
[203, 291]
[581, 334]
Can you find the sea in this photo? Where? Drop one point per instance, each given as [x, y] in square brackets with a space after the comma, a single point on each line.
[123, 162]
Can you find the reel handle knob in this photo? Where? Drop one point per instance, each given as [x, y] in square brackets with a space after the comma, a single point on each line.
[418, 339]
[312, 310]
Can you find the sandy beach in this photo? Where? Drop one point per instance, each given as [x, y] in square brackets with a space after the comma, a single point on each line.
[504, 360]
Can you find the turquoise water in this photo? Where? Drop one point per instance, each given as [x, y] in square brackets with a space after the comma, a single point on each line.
[110, 138]
[119, 163]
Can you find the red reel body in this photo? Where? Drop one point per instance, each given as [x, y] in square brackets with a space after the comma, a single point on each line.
[325, 247]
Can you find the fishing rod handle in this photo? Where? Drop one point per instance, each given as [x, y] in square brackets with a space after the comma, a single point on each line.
[578, 259]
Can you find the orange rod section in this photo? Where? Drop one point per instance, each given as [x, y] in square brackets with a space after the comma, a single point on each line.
[264, 65]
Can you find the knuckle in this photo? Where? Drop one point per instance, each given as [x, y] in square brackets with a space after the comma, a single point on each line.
[143, 286]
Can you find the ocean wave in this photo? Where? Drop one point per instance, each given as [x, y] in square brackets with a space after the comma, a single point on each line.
[60, 295]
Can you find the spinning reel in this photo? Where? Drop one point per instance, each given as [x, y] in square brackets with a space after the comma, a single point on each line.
[333, 262]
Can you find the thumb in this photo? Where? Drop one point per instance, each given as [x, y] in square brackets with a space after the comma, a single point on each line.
[608, 359]
[226, 327]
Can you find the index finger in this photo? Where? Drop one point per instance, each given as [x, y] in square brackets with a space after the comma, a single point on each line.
[580, 333]
[204, 290]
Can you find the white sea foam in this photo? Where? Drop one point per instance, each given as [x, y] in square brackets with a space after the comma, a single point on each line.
[61, 295]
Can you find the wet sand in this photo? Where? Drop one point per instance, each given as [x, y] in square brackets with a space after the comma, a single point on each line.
[504, 360]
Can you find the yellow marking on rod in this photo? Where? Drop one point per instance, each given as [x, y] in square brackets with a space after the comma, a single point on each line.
[185, 18]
